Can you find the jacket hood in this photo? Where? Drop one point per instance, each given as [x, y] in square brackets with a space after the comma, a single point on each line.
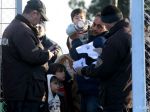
[50, 95]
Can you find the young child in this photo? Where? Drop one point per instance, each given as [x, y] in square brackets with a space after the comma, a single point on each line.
[70, 100]
[79, 26]
[53, 98]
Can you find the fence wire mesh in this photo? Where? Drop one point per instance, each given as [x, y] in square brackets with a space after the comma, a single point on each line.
[147, 50]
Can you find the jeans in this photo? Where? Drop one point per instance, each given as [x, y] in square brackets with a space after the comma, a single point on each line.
[89, 103]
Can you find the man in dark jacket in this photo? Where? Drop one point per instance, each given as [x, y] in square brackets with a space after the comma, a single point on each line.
[48, 43]
[114, 71]
[23, 60]
[88, 87]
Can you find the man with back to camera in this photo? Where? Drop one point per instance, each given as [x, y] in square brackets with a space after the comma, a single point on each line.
[23, 60]
[115, 70]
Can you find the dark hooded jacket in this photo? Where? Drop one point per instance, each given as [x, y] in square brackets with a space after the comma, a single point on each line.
[87, 86]
[23, 76]
[115, 70]
[48, 44]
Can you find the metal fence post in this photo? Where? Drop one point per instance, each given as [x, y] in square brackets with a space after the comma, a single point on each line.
[18, 6]
[138, 56]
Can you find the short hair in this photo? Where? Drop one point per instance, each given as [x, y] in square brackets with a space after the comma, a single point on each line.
[98, 14]
[111, 14]
[56, 67]
[54, 78]
[76, 12]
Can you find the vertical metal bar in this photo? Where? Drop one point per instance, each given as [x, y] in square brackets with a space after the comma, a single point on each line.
[0, 46]
[18, 6]
[138, 56]
[1, 18]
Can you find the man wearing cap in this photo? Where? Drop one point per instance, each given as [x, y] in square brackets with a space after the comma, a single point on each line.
[23, 60]
[114, 71]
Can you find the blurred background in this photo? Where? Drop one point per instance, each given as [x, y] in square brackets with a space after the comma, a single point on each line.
[58, 12]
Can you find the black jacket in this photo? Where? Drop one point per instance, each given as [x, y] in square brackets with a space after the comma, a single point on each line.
[87, 86]
[115, 70]
[48, 44]
[23, 75]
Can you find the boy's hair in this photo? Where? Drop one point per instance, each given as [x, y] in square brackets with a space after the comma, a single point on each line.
[76, 12]
[98, 14]
[53, 79]
[56, 67]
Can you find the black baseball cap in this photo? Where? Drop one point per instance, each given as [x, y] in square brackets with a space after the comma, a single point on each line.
[39, 6]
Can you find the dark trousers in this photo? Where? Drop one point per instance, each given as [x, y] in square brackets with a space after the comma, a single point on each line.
[89, 103]
[23, 106]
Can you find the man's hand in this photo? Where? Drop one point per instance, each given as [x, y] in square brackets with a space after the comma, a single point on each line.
[50, 54]
[45, 66]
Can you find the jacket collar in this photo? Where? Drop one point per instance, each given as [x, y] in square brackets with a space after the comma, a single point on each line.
[121, 24]
[24, 20]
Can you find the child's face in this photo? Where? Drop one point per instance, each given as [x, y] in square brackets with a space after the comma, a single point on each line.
[60, 75]
[78, 17]
[41, 30]
[54, 86]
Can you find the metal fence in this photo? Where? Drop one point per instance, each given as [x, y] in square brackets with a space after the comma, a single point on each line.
[147, 50]
[7, 13]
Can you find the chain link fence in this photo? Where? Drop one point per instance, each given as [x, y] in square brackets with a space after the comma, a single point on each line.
[147, 50]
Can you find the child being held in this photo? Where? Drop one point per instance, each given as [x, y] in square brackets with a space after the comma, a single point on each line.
[79, 26]
[53, 98]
